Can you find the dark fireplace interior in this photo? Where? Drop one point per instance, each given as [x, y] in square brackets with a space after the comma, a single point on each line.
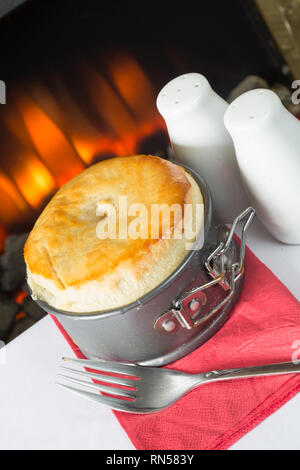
[81, 84]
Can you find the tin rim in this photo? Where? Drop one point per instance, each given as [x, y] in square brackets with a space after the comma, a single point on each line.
[158, 289]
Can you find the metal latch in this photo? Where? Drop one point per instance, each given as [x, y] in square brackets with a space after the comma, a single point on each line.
[190, 310]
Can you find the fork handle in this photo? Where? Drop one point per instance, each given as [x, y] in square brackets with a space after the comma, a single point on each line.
[270, 369]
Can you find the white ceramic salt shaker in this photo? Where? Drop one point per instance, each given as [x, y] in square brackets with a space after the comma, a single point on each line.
[194, 115]
[267, 142]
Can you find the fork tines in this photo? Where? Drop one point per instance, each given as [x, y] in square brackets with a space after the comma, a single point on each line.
[119, 398]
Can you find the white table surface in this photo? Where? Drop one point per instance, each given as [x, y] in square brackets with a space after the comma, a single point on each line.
[36, 414]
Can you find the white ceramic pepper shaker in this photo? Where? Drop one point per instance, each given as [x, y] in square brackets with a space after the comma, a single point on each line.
[267, 142]
[194, 115]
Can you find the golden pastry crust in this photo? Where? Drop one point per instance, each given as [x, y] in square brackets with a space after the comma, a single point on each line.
[71, 268]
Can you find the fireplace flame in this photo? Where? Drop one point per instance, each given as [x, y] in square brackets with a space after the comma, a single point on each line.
[52, 137]
[13, 205]
[134, 87]
[52, 146]
[34, 180]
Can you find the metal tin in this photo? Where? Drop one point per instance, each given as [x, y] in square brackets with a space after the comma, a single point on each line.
[164, 325]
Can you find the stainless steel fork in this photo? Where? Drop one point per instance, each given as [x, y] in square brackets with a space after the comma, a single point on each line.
[140, 389]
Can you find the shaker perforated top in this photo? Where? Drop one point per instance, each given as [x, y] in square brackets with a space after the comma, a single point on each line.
[251, 109]
[182, 93]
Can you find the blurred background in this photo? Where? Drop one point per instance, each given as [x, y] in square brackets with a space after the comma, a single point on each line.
[81, 83]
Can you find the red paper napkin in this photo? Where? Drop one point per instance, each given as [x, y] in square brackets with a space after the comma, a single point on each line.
[264, 328]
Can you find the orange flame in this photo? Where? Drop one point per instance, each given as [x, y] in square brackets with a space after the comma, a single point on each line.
[33, 179]
[56, 138]
[109, 105]
[52, 145]
[133, 86]
[13, 206]
[20, 296]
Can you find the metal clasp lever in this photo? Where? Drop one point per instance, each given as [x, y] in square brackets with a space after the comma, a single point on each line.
[189, 310]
